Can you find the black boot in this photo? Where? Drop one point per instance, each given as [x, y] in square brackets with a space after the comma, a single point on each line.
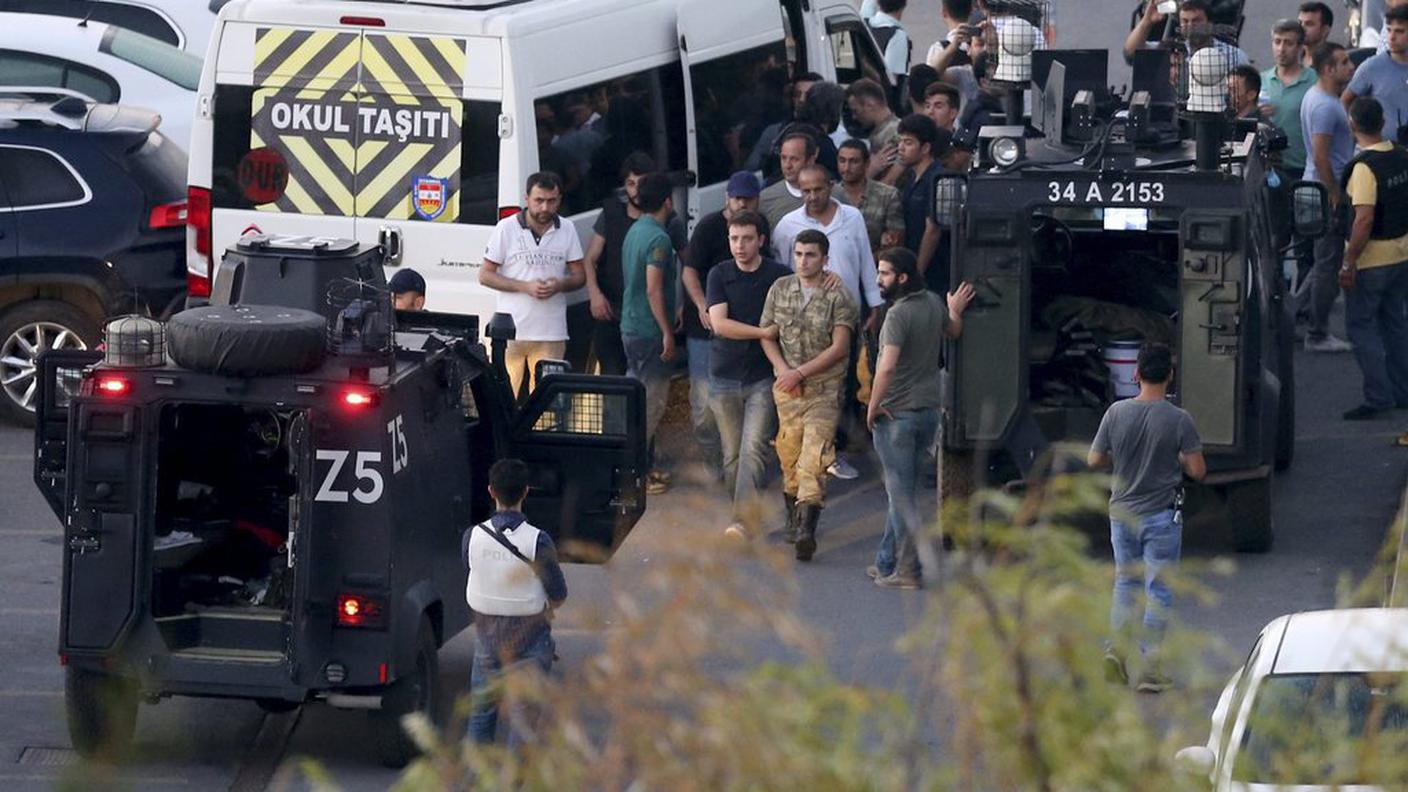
[789, 531]
[807, 516]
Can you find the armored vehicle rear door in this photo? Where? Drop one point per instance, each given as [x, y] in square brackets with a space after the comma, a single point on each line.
[1213, 322]
[584, 439]
[986, 369]
[56, 381]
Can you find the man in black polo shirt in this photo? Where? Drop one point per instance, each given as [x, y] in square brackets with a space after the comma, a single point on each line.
[708, 247]
[740, 376]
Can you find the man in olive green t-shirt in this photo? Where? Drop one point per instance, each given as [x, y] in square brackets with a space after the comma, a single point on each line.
[903, 414]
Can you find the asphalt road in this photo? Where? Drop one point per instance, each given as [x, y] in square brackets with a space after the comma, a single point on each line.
[1331, 512]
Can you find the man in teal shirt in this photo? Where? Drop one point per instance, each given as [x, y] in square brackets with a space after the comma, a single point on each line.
[1283, 86]
[648, 312]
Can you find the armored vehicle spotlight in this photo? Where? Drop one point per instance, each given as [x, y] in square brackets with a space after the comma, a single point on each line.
[1207, 80]
[1016, 38]
[1006, 151]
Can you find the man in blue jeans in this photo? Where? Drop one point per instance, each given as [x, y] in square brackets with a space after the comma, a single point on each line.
[740, 376]
[514, 582]
[648, 311]
[1151, 444]
[903, 414]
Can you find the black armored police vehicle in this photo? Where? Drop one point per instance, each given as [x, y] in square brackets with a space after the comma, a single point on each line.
[1100, 220]
[264, 498]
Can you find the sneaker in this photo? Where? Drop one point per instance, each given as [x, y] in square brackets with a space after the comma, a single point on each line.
[1152, 681]
[1401, 441]
[898, 581]
[1327, 344]
[1363, 413]
[873, 572]
[736, 532]
[1116, 672]
[842, 469]
[657, 483]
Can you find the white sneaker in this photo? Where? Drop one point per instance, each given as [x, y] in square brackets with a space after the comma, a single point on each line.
[736, 533]
[1327, 344]
[842, 469]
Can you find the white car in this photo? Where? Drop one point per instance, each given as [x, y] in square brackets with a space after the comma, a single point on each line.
[184, 24]
[1320, 702]
[105, 63]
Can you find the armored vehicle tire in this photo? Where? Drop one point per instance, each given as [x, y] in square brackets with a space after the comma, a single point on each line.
[26, 330]
[102, 713]
[1248, 515]
[418, 691]
[247, 340]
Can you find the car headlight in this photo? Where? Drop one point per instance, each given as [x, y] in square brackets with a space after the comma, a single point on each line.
[1005, 151]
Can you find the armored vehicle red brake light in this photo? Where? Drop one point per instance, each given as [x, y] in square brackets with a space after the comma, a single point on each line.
[358, 398]
[355, 610]
[113, 386]
[364, 21]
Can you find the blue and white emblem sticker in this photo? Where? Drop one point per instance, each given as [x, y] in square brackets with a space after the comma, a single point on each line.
[430, 196]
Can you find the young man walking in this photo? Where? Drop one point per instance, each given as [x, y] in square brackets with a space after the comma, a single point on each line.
[648, 313]
[707, 248]
[814, 326]
[920, 143]
[514, 583]
[1151, 445]
[903, 414]
[740, 377]
[1375, 271]
[879, 203]
[1329, 145]
[532, 260]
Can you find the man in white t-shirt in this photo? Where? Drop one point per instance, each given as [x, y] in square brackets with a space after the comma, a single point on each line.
[532, 260]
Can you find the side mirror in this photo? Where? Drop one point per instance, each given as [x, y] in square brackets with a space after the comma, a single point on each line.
[950, 194]
[1195, 760]
[1310, 207]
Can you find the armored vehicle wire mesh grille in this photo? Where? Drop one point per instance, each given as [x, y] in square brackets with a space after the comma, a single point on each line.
[134, 341]
[598, 414]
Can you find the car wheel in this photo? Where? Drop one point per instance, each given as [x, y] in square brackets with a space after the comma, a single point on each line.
[102, 713]
[28, 330]
[417, 691]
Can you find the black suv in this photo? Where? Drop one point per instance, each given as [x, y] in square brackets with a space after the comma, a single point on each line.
[92, 225]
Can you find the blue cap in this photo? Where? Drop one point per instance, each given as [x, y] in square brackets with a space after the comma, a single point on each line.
[743, 184]
[407, 280]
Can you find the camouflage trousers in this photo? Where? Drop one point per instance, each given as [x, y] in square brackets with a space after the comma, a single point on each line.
[806, 438]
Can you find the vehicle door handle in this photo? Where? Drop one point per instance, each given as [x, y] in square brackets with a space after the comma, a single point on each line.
[389, 237]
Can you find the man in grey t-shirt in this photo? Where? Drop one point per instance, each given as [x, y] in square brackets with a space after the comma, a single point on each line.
[903, 413]
[1151, 444]
[1329, 146]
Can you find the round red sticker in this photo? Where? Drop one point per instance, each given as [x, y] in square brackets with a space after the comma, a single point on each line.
[262, 175]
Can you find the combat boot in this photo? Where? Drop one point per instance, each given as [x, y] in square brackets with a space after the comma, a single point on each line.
[789, 531]
[807, 516]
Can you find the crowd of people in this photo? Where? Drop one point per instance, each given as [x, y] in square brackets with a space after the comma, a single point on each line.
[820, 293]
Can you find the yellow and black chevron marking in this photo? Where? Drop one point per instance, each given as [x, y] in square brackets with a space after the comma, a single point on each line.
[358, 118]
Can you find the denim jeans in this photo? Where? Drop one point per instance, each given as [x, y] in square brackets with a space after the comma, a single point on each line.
[1377, 326]
[643, 363]
[1324, 282]
[903, 444]
[1144, 549]
[706, 429]
[489, 666]
[747, 420]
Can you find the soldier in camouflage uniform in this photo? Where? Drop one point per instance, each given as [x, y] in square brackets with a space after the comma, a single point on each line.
[815, 320]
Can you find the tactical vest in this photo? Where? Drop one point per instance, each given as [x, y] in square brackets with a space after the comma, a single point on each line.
[882, 38]
[1390, 170]
[500, 583]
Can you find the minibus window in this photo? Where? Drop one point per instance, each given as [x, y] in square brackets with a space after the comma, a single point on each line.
[736, 97]
[586, 133]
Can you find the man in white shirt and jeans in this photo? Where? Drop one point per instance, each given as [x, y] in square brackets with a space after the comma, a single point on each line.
[850, 260]
[533, 258]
